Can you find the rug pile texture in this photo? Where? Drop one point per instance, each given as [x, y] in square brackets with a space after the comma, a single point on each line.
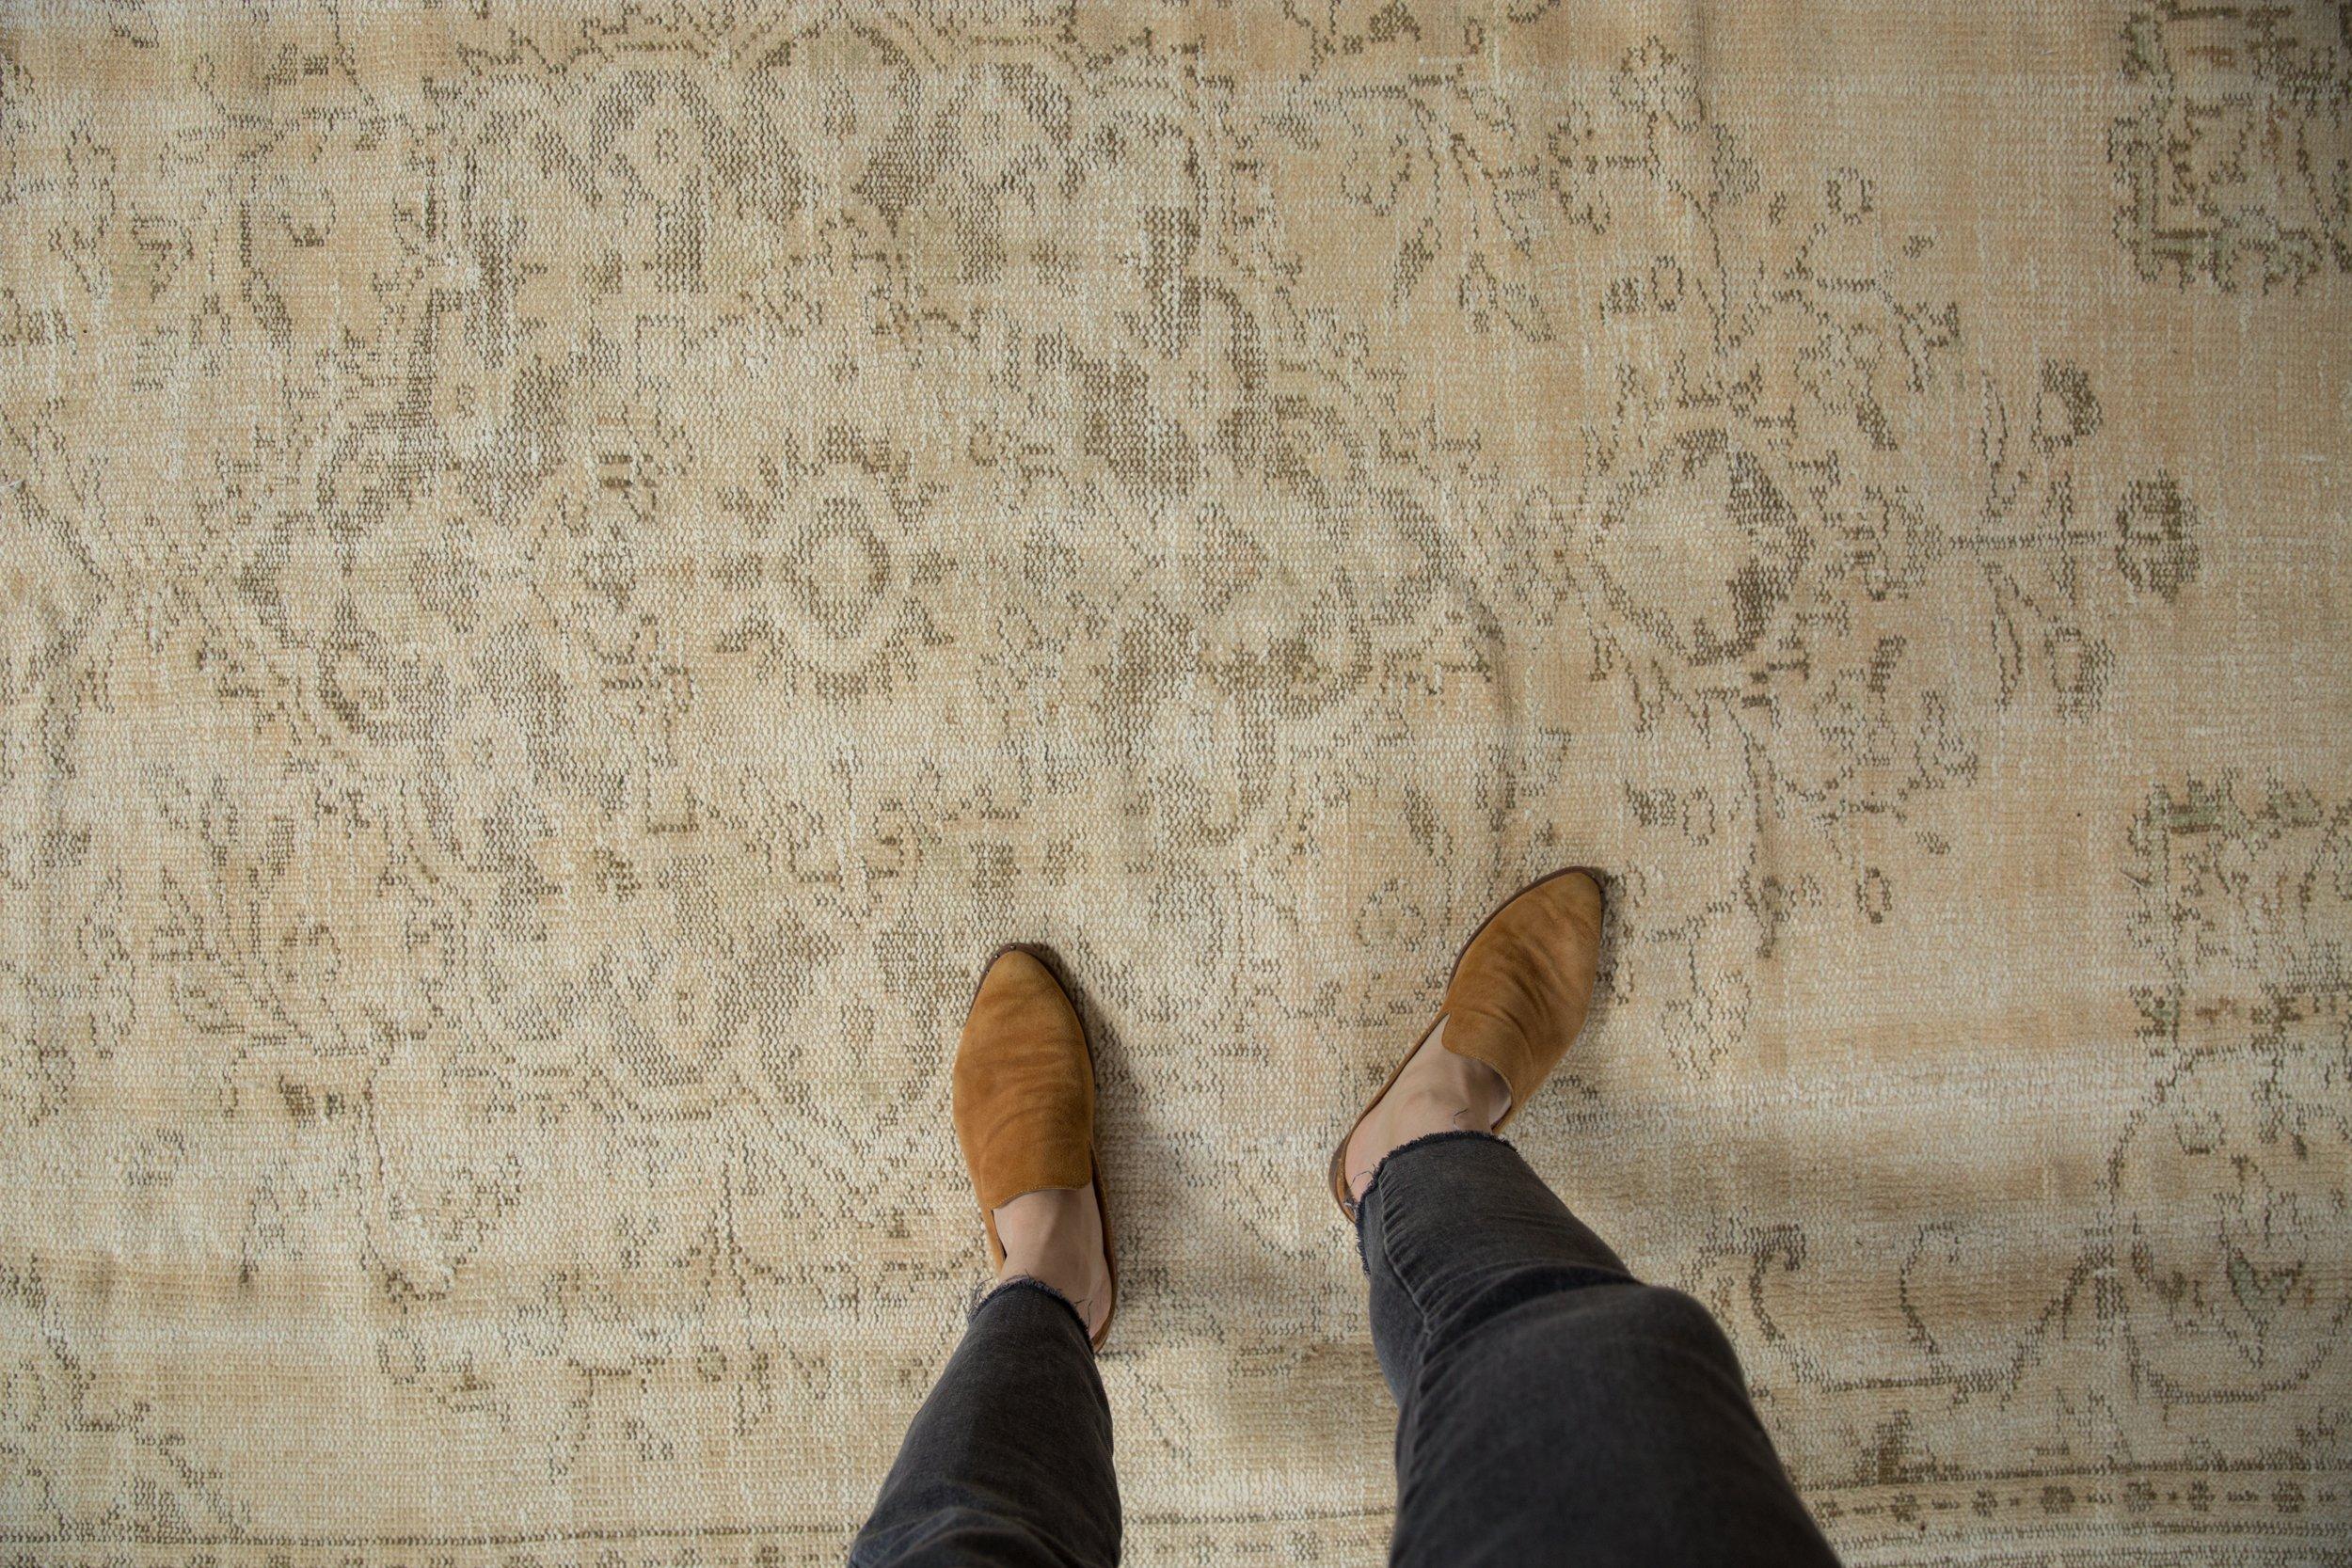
[567, 571]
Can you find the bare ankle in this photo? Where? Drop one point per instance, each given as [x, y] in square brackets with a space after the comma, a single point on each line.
[1437, 1092]
[1055, 1237]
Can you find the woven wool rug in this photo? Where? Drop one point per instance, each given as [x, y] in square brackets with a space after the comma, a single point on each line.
[569, 571]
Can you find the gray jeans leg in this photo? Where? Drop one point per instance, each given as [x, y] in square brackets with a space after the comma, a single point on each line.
[1008, 1465]
[1552, 1408]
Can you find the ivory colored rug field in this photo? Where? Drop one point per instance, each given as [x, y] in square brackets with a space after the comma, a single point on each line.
[570, 570]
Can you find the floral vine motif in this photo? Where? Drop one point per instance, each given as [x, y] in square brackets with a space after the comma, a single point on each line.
[2210, 1278]
[1803, 478]
[2246, 898]
[1806, 523]
[2236, 167]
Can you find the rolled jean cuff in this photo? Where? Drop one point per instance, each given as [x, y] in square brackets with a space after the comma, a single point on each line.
[988, 1293]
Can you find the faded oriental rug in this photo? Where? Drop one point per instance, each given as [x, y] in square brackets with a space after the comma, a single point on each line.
[570, 570]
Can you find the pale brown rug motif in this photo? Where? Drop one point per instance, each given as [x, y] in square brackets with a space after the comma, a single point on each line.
[569, 571]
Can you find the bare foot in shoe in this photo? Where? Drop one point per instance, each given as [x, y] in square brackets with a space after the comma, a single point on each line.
[1437, 1092]
[1054, 1236]
[1023, 1106]
[1513, 1005]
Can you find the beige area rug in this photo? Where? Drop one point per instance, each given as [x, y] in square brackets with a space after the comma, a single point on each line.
[569, 572]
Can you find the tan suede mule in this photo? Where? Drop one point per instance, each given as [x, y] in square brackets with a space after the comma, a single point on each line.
[1024, 1095]
[1517, 997]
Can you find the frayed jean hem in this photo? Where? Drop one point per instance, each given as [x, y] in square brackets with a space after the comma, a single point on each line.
[1025, 1282]
[1448, 1136]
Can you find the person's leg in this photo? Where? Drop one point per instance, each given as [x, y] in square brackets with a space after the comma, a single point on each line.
[1554, 1409]
[1008, 1465]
